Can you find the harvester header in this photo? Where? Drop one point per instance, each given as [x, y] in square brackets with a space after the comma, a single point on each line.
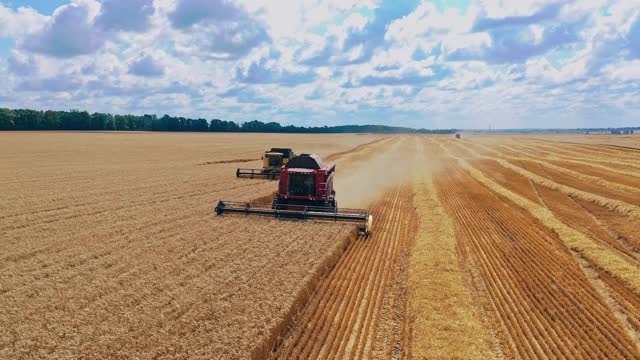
[272, 161]
[305, 191]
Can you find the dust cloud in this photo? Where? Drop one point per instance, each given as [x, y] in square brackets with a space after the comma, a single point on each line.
[364, 176]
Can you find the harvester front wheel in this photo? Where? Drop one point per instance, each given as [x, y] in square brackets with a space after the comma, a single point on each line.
[365, 228]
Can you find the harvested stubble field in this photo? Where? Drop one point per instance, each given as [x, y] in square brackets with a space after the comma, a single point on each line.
[485, 247]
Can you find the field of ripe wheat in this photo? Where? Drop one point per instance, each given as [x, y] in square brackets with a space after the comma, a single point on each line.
[110, 247]
[482, 247]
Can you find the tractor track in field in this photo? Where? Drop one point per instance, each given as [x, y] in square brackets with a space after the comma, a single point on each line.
[594, 220]
[575, 214]
[343, 316]
[538, 295]
[628, 301]
[357, 149]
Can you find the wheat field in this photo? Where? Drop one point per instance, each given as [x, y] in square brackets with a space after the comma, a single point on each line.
[490, 246]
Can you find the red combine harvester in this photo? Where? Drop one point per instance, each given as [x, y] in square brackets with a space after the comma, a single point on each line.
[305, 191]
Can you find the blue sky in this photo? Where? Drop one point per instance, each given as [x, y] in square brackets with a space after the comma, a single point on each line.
[417, 63]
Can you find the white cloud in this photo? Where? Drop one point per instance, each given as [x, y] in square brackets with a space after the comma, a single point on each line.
[68, 33]
[217, 29]
[19, 22]
[541, 71]
[627, 71]
[331, 61]
[427, 22]
[125, 15]
[146, 66]
[22, 64]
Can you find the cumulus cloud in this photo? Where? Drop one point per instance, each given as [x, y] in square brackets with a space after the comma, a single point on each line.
[408, 76]
[60, 83]
[265, 69]
[330, 60]
[146, 66]
[514, 39]
[228, 40]
[355, 42]
[19, 22]
[627, 71]
[246, 95]
[218, 29]
[125, 15]
[22, 65]
[191, 12]
[68, 33]
[634, 38]
[547, 12]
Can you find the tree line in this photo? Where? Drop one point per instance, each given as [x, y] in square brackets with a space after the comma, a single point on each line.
[24, 119]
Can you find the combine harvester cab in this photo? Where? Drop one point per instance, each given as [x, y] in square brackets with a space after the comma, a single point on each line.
[272, 161]
[305, 191]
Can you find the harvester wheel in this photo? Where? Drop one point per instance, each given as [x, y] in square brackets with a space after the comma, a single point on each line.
[365, 229]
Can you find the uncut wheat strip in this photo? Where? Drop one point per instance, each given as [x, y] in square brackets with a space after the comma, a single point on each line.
[610, 238]
[597, 254]
[632, 211]
[615, 186]
[585, 156]
[597, 161]
[436, 279]
[591, 162]
[627, 299]
[575, 174]
[534, 156]
[158, 230]
[614, 300]
[581, 149]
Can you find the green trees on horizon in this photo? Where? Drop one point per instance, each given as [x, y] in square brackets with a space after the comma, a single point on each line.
[24, 119]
